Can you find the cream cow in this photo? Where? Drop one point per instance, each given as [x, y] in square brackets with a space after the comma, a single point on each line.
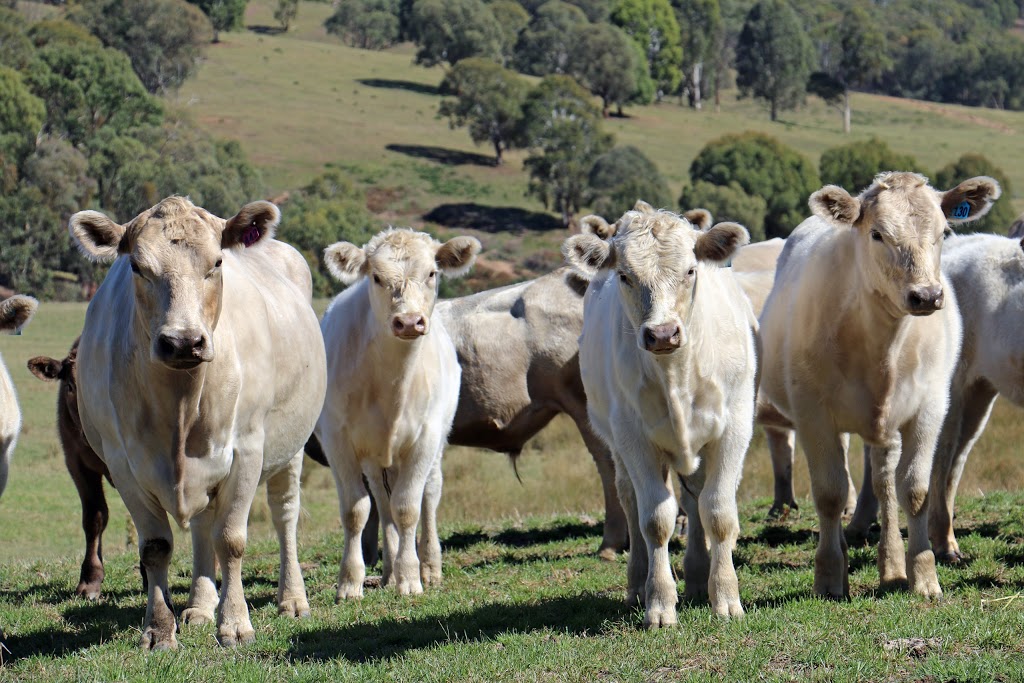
[667, 360]
[860, 334]
[201, 373]
[987, 274]
[15, 312]
[393, 392]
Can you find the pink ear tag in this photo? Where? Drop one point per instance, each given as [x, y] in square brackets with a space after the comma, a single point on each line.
[251, 235]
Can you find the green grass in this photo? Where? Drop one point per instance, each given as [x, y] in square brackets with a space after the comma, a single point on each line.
[529, 601]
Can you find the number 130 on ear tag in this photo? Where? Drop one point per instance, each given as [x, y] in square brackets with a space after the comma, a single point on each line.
[963, 210]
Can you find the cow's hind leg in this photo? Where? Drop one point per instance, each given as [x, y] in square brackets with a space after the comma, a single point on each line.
[94, 521]
[202, 602]
[867, 503]
[967, 417]
[615, 539]
[781, 444]
[230, 535]
[283, 499]
[430, 544]
[696, 560]
[389, 531]
[826, 462]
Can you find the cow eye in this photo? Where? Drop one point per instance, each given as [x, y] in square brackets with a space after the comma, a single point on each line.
[625, 280]
[432, 275]
[691, 272]
[135, 267]
[876, 236]
[376, 280]
[218, 263]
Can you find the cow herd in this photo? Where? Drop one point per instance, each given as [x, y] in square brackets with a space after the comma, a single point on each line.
[202, 372]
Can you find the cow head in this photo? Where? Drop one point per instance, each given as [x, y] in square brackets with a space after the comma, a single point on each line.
[175, 251]
[16, 311]
[402, 267]
[899, 222]
[655, 255]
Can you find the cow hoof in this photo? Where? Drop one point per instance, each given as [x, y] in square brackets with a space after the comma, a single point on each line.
[953, 557]
[607, 554]
[196, 616]
[89, 591]
[781, 510]
[635, 597]
[411, 587]
[233, 636]
[154, 640]
[728, 609]
[660, 618]
[350, 591]
[297, 609]
[432, 578]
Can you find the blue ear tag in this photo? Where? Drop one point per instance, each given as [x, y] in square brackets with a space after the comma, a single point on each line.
[963, 210]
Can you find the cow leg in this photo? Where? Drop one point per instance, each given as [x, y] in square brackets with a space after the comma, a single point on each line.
[723, 465]
[636, 568]
[968, 414]
[230, 535]
[615, 539]
[283, 499]
[407, 497]
[912, 476]
[354, 500]
[202, 597]
[389, 532]
[696, 560]
[892, 568]
[429, 547]
[826, 462]
[94, 521]
[156, 544]
[781, 444]
[371, 533]
[867, 503]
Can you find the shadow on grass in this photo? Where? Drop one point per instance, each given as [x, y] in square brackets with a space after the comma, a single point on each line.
[491, 218]
[83, 625]
[592, 615]
[265, 30]
[774, 535]
[522, 538]
[442, 155]
[410, 86]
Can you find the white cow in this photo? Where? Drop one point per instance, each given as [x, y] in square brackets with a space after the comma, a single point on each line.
[393, 393]
[860, 334]
[15, 313]
[987, 274]
[667, 360]
[201, 373]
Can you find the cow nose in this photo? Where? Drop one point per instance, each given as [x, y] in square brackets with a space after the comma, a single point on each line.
[409, 325]
[184, 346]
[662, 338]
[925, 300]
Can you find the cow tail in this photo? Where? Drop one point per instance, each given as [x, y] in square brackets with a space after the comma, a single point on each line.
[315, 451]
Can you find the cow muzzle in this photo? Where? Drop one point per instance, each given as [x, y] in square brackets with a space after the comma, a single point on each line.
[409, 326]
[925, 300]
[661, 339]
[182, 350]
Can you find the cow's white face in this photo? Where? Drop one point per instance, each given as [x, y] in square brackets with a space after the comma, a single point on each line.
[404, 270]
[900, 221]
[654, 255]
[175, 252]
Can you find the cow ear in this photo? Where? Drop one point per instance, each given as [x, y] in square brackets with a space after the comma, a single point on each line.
[970, 200]
[643, 207]
[1017, 228]
[698, 218]
[16, 311]
[97, 237]
[254, 222]
[456, 256]
[45, 368]
[720, 242]
[346, 261]
[595, 225]
[586, 254]
[835, 206]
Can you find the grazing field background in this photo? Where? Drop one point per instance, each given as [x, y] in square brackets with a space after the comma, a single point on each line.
[525, 597]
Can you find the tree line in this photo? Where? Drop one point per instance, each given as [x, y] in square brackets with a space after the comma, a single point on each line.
[956, 51]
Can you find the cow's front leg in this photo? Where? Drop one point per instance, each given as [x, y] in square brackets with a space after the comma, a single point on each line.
[406, 500]
[354, 500]
[202, 597]
[283, 499]
[636, 566]
[429, 543]
[94, 520]
[826, 461]
[229, 537]
[913, 473]
[892, 568]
